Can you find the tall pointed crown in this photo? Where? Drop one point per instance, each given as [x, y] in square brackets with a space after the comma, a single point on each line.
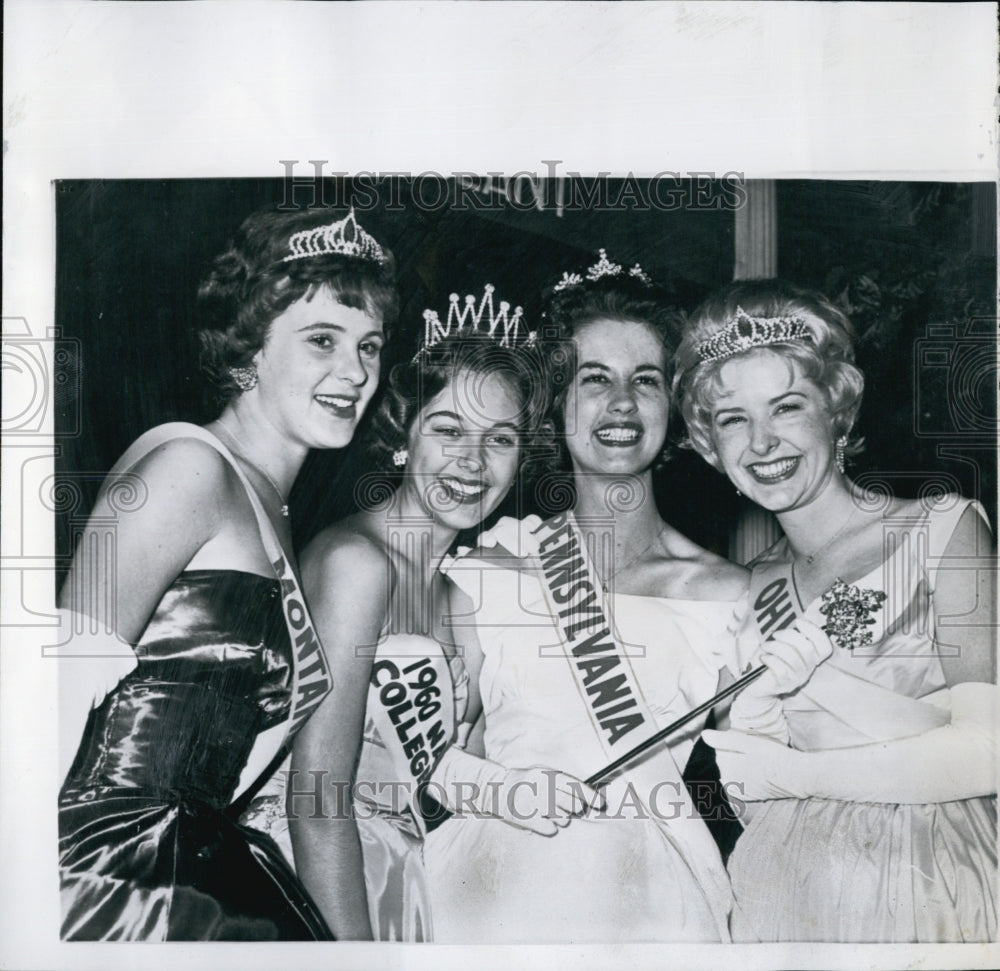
[745, 332]
[344, 237]
[465, 319]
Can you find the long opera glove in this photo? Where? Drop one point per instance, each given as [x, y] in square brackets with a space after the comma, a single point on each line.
[90, 666]
[956, 761]
[537, 799]
[791, 656]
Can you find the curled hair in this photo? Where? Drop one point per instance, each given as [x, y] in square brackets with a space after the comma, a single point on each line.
[250, 285]
[827, 359]
[413, 384]
[621, 298]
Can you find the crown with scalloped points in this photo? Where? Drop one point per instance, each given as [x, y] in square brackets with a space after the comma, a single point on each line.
[468, 320]
[344, 237]
[744, 333]
[603, 267]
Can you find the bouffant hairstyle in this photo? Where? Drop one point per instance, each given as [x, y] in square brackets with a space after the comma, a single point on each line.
[250, 284]
[413, 384]
[622, 297]
[827, 358]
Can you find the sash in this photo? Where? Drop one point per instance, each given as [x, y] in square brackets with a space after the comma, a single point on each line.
[610, 694]
[411, 701]
[875, 712]
[311, 680]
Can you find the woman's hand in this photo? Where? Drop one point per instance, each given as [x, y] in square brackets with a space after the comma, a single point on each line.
[790, 657]
[538, 799]
[756, 766]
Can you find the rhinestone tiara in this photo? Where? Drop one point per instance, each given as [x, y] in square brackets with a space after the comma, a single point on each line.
[603, 267]
[745, 332]
[344, 237]
[466, 320]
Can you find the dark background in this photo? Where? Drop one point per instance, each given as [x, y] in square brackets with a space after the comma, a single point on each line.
[914, 264]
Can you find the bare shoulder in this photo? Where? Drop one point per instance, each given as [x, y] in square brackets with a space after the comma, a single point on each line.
[345, 551]
[710, 576]
[183, 477]
[186, 464]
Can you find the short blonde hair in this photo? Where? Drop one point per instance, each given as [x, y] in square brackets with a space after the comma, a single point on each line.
[827, 358]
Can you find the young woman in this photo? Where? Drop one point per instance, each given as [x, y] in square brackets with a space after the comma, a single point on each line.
[598, 627]
[210, 664]
[458, 421]
[876, 787]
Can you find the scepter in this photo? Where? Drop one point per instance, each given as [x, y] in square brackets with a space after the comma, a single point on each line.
[848, 610]
[663, 733]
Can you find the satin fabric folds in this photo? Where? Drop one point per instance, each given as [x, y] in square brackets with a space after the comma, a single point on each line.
[147, 850]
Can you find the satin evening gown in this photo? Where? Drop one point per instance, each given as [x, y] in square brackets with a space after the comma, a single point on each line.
[147, 848]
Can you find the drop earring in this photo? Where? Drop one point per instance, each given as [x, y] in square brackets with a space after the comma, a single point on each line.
[839, 453]
[400, 457]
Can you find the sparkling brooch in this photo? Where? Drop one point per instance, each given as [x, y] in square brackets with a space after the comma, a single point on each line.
[849, 613]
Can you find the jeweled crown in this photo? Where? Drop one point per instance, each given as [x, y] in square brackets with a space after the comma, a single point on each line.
[745, 332]
[603, 267]
[344, 237]
[465, 320]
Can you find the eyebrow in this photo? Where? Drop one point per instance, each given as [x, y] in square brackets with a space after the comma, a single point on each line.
[771, 401]
[458, 418]
[603, 367]
[328, 325]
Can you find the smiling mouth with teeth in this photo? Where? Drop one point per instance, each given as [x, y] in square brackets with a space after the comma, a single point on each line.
[619, 435]
[343, 407]
[464, 491]
[774, 471]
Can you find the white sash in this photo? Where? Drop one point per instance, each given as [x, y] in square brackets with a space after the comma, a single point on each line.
[877, 713]
[311, 680]
[603, 678]
[411, 701]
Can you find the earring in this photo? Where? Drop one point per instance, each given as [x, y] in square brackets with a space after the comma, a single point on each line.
[245, 377]
[738, 492]
[839, 450]
[400, 457]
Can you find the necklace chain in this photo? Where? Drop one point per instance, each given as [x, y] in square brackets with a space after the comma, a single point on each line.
[259, 468]
[810, 557]
[607, 581]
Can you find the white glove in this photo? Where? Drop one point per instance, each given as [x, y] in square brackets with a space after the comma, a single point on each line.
[90, 666]
[537, 799]
[791, 655]
[956, 761]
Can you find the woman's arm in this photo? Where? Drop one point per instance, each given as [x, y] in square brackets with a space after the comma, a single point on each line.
[112, 590]
[955, 761]
[347, 585]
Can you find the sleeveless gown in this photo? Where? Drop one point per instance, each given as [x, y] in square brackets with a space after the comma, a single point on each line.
[393, 846]
[607, 877]
[149, 844]
[392, 842]
[825, 870]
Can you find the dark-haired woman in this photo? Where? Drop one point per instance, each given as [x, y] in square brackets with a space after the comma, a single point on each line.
[210, 664]
[457, 422]
[598, 627]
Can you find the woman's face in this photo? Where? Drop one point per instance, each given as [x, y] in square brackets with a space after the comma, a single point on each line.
[463, 448]
[772, 431]
[617, 404]
[318, 369]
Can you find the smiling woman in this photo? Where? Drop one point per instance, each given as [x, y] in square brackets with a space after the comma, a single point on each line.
[876, 776]
[597, 627]
[457, 422]
[207, 628]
